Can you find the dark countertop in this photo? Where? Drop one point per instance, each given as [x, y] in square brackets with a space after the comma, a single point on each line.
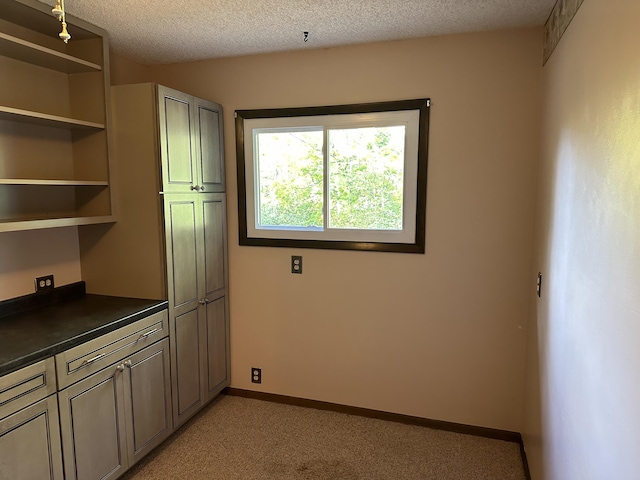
[40, 331]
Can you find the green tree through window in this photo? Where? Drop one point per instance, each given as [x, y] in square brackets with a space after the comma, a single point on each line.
[365, 180]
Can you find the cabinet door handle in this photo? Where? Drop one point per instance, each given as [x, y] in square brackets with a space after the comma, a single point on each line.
[195, 187]
[204, 301]
[128, 364]
[202, 189]
[91, 360]
[149, 333]
[120, 367]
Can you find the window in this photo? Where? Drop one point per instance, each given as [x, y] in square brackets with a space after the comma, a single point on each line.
[345, 177]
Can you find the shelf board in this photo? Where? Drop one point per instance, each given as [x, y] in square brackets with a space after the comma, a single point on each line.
[16, 225]
[39, 118]
[70, 183]
[35, 54]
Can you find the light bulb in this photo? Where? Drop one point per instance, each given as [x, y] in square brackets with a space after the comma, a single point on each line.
[64, 35]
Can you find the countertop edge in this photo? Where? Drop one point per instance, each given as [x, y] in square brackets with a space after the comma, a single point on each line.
[34, 357]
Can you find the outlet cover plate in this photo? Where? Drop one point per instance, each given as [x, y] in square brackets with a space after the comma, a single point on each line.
[296, 264]
[44, 284]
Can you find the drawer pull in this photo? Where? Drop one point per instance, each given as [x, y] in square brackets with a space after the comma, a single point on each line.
[149, 333]
[91, 360]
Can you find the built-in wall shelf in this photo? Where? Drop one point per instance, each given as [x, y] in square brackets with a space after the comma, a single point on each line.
[55, 160]
[35, 54]
[38, 223]
[62, 183]
[46, 120]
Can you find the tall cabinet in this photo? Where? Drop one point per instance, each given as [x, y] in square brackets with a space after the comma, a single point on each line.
[171, 238]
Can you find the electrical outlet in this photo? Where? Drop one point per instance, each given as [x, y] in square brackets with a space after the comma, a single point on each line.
[296, 264]
[256, 375]
[44, 284]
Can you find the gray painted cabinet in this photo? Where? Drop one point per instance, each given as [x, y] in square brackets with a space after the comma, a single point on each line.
[169, 172]
[114, 417]
[217, 338]
[29, 428]
[93, 431]
[198, 318]
[30, 443]
[147, 400]
[191, 144]
[192, 165]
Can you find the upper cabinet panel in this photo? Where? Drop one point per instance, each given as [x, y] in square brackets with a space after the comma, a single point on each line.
[178, 166]
[191, 148]
[210, 146]
[214, 222]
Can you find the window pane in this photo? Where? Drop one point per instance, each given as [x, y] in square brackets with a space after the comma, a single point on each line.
[289, 165]
[366, 174]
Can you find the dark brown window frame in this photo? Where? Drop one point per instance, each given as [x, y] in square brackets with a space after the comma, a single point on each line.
[418, 246]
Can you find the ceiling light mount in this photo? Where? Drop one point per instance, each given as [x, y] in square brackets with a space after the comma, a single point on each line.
[58, 12]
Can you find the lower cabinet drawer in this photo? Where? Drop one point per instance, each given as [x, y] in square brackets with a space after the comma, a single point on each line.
[90, 357]
[26, 386]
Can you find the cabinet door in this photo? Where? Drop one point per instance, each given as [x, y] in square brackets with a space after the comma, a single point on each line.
[214, 225]
[215, 339]
[209, 145]
[92, 422]
[185, 267]
[147, 396]
[30, 443]
[177, 136]
[217, 348]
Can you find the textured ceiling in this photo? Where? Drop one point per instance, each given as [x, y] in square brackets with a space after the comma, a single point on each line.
[160, 31]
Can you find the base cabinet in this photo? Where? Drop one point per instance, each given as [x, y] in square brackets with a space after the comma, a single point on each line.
[29, 427]
[92, 421]
[114, 417]
[147, 400]
[30, 443]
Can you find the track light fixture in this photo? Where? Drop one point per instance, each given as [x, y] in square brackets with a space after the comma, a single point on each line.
[58, 12]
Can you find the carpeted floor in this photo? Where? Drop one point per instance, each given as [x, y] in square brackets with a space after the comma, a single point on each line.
[244, 439]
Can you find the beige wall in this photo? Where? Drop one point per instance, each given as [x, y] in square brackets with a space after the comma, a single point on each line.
[30, 254]
[583, 393]
[439, 335]
[125, 71]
